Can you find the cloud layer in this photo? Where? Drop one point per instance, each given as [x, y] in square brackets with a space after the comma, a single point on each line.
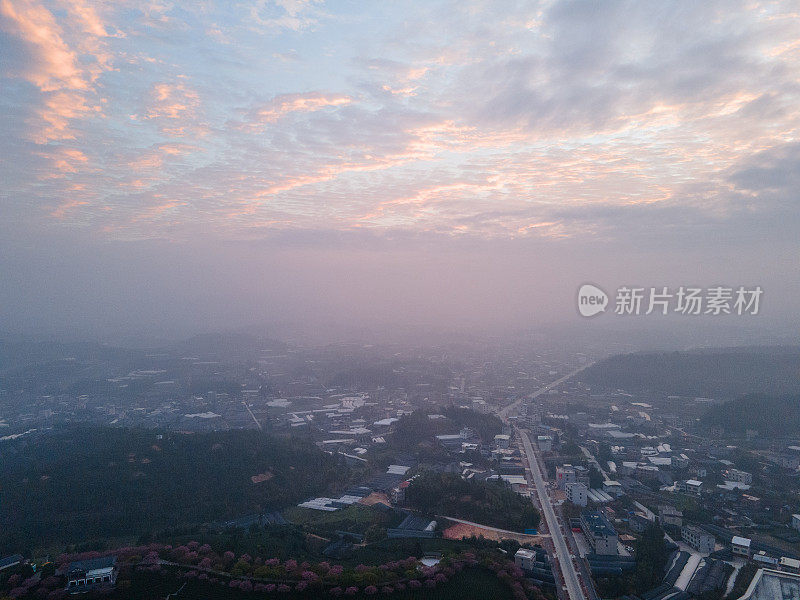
[674, 123]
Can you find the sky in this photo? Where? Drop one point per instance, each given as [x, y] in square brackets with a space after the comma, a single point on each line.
[172, 167]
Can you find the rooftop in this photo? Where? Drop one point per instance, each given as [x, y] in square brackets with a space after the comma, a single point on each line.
[598, 523]
[91, 564]
[740, 541]
[769, 585]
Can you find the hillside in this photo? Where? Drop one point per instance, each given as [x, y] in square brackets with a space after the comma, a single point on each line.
[82, 483]
[773, 416]
[725, 373]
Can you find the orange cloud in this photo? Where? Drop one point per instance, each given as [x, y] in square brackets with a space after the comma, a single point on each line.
[174, 107]
[61, 210]
[280, 106]
[62, 72]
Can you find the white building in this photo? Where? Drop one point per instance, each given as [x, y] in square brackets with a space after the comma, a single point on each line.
[545, 443]
[740, 546]
[796, 522]
[698, 539]
[577, 493]
[692, 487]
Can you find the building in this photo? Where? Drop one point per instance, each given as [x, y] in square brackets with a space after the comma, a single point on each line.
[565, 474]
[769, 584]
[613, 488]
[93, 574]
[581, 475]
[577, 493]
[525, 559]
[413, 527]
[10, 561]
[789, 565]
[669, 515]
[545, 443]
[740, 546]
[787, 461]
[600, 533]
[502, 441]
[680, 462]
[796, 522]
[739, 476]
[692, 487]
[639, 523]
[698, 539]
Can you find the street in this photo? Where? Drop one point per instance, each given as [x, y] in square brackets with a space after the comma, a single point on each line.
[569, 573]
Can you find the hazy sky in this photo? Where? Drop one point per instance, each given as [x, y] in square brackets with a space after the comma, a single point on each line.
[180, 166]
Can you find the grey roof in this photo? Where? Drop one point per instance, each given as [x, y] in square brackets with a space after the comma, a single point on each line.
[92, 563]
[8, 561]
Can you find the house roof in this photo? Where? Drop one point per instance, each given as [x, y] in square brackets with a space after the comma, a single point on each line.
[91, 564]
[8, 561]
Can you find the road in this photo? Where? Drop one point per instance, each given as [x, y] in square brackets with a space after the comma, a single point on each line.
[505, 412]
[247, 406]
[569, 573]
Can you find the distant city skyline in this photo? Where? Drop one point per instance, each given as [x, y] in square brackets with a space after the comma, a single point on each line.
[196, 166]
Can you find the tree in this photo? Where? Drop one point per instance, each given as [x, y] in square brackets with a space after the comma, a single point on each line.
[595, 478]
[651, 558]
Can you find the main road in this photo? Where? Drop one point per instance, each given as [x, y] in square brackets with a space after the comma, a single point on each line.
[504, 413]
[568, 570]
[569, 573]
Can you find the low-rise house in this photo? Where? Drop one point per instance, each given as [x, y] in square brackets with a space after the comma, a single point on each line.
[502, 441]
[740, 546]
[525, 559]
[789, 565]
[638, 523]
[413, 527]
[92, 574]
[10, 561]
[692, 487]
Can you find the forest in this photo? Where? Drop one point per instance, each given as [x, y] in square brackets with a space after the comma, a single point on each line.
[491, 503]
[722, 374]
[80, 483]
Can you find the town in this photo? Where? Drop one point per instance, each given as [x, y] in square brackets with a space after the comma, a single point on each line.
[604, 492]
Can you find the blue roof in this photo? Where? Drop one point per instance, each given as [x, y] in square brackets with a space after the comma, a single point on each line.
[598, 523]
